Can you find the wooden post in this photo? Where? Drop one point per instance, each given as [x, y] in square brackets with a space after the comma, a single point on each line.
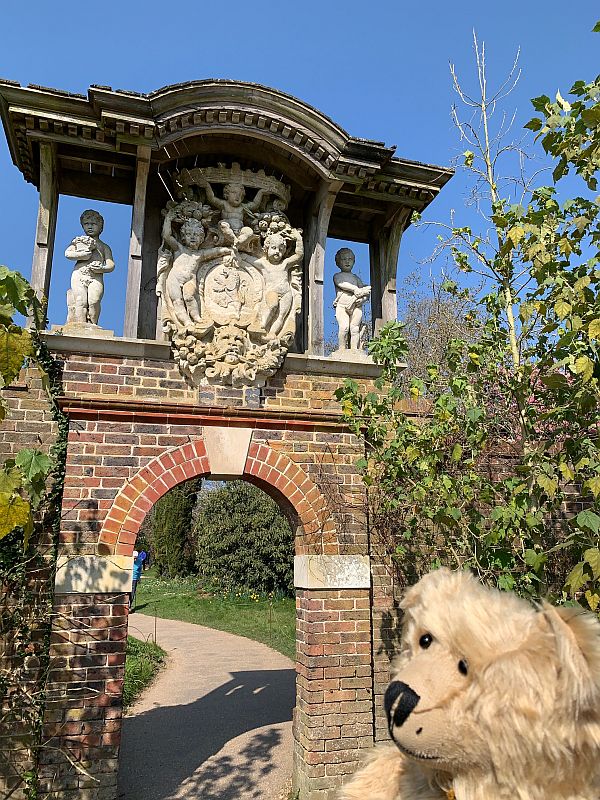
[41, 267]
[316, 239]
[134, 266]
[383, 252]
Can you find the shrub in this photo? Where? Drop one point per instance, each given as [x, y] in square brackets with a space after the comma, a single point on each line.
[172, 541]
[244, 540]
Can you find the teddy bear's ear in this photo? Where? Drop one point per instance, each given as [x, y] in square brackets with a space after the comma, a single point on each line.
[577, 636]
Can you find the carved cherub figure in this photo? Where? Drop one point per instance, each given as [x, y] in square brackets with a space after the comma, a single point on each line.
[351, 295]
[275, 269]
[93, 258]
[181, 282]
[232, 206]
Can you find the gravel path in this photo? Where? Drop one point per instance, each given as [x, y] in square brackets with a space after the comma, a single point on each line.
[215, 725]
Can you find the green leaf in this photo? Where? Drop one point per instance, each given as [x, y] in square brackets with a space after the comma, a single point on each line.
[33, 464]
[468, 156]
[594, 329]
[456, 452]
[593, 599]
[534, 124]
[596, 28]
[14, 513]
[15, 346]
[10, 480]
[577, 577]
[549, 485]
[506, 582]
[583, 366]
[593, 484]
[562, 102]
[592, 557]
[566, 471]
[589, 520]
[562, 308]
[535, 560]
[540, 103]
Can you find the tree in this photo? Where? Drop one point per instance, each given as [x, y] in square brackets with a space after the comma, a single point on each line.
[432, 318]
[171, 538]
[486, 479]
[244, 540]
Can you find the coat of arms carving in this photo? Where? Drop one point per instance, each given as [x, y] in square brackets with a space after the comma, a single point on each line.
[229, 275]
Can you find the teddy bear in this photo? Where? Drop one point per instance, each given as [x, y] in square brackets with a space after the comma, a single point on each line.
[491, 698]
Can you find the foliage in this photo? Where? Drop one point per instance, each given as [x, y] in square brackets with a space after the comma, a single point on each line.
[31, 486]
[266, 618]
[432, 318]
[172, 542]
[485, 477]
[144, 661]
[22, 479]
[244, 541]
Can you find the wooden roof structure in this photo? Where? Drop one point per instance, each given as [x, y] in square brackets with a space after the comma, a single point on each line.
[355, 189]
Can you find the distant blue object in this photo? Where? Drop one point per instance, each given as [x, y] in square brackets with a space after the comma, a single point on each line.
[143, 555]
[137, 567]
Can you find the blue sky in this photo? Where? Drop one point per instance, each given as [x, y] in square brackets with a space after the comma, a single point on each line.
[379, 69]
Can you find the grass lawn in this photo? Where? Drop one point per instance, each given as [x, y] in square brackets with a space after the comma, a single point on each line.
[144, 660]
[272, 622]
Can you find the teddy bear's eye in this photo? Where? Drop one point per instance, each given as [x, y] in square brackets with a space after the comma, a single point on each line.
[425, 640]
[463, 667]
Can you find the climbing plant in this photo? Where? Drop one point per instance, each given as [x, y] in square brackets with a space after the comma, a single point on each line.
[498, 469]
[31, 484]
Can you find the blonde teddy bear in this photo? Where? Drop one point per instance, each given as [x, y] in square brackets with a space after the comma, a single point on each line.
[491, 698]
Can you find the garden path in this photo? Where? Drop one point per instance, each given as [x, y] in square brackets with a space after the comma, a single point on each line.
[216, 723]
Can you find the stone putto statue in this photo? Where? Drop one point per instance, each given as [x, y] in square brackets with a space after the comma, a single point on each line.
[351, 296]
[229, 275]
[93, 258]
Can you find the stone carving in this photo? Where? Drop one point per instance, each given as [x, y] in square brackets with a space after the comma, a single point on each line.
[351, 296]
[229, 275]
[93, 259]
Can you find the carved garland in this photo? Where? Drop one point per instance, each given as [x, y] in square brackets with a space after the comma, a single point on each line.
[229, 275]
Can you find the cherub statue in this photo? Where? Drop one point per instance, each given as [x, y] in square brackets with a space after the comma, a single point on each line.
[276, 269]
[180, 284]
[232, 206]
[93, 258]
[351, 295]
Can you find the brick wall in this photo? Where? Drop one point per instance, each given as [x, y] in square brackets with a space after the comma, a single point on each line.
[135, 430]
[333, 718]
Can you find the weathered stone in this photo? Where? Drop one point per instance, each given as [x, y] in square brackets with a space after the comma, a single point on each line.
[230, 292]
[93, 258]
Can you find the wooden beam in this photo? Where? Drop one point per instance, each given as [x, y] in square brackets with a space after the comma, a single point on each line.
[41, 267]
[316, 240]
[134, 266]
[383, 251]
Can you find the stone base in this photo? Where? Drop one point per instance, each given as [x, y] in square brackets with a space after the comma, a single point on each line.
[86, 329]
[353, 356]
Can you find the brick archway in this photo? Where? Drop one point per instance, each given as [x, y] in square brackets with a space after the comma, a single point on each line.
[273, 472]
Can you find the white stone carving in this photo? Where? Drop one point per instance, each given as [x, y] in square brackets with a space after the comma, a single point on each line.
[93, 259]
[351, 296]
[229, 275]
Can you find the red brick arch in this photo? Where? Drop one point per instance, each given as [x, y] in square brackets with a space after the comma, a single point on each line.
[274, 472]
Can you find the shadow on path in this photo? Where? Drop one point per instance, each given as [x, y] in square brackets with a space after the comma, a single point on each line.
[167, 752]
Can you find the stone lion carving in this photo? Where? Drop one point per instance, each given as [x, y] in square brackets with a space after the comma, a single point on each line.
[229, 275]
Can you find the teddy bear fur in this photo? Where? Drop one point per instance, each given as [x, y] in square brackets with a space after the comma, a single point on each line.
[491, 698]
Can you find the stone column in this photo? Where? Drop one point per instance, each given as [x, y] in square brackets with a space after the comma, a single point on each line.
[383, 253]
[316, 240]
[134, 266]
[41, 267]
[333, 718]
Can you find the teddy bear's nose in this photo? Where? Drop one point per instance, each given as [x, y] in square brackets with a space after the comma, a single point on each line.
[399, 701]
